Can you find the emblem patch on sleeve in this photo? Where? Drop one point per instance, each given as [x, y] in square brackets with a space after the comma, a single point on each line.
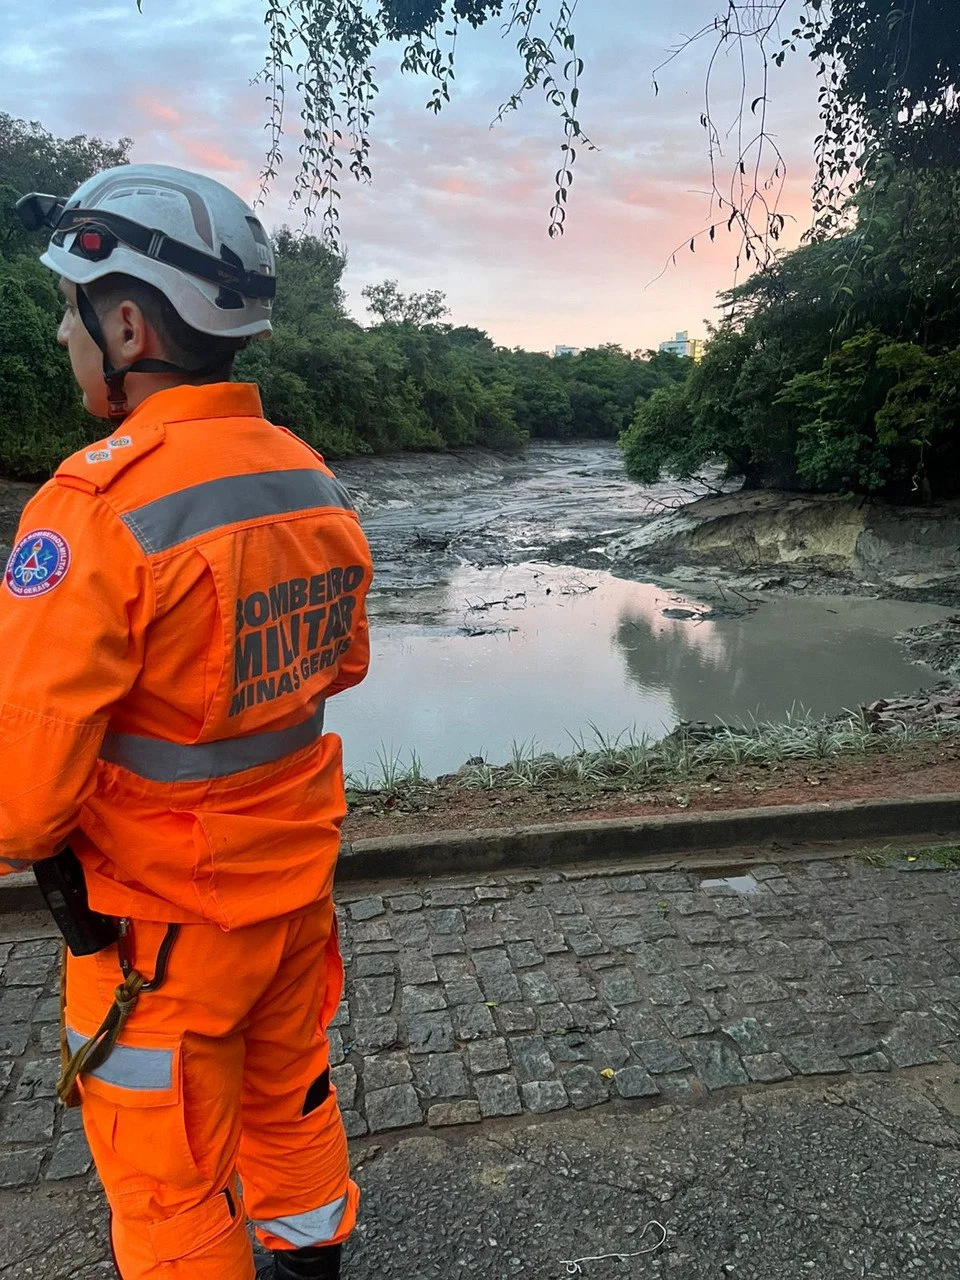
[38, 563]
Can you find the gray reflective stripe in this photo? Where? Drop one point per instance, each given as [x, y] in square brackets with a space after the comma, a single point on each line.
[17, 864]
[316, 1226]
[160, 761]
[202, 508]
[130, 1068]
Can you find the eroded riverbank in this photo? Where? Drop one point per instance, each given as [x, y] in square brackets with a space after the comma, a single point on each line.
[570, 503]
[526, 598]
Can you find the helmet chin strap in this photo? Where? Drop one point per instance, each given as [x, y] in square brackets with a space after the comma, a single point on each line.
[114, 377]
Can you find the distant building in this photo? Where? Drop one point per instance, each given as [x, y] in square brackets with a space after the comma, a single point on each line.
[566, 351]
[684, 345]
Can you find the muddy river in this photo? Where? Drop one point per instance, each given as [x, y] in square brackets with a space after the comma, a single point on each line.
[497, 621]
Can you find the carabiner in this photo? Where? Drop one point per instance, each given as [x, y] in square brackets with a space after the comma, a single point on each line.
[123, 950]
[124, 939]
[163, 957]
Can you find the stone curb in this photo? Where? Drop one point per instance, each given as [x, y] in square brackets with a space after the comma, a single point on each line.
[619, 840]
[615, 840]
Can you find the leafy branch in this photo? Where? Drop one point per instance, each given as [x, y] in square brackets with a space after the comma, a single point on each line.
[748, 202]
[327, 49]
[888, 98]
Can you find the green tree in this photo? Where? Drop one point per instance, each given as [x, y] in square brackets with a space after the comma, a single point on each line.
[837, 446]
[309, 289]
[606, 383]
[41, 418]
[32, 159]
[880, 416]
[835, 367]
[41, 415]
[541, 395]
[389, 306]
[661, 438]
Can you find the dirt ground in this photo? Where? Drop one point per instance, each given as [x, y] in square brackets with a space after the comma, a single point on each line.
[922, 769]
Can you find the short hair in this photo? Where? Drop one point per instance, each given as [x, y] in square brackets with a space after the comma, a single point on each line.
[184, 346]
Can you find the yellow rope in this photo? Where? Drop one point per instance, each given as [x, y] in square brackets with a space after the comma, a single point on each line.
[98, 1048]
[95, 1051]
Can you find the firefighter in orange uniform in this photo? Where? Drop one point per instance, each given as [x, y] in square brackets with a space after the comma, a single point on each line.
[182, 599]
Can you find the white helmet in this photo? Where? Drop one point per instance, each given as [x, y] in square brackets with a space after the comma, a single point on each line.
[188, 236]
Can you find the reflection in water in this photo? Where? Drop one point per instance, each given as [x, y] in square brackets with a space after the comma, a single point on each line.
[566, 649]
[819, 654]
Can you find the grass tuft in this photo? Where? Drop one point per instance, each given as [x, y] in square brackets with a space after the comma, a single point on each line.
[628, 760]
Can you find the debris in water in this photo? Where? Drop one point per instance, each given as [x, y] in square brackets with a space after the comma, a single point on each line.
[482, 605]
[473, 632]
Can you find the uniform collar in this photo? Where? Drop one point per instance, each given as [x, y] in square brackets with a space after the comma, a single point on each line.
[191, 404]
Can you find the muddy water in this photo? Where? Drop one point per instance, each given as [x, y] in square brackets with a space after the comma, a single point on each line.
[494, 622]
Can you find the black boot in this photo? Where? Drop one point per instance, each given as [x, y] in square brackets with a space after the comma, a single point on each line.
[321, 1262]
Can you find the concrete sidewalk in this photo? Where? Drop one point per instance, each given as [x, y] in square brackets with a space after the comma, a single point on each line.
[679, 1033]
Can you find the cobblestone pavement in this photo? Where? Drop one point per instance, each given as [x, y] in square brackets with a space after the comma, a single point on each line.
[467, 1002]
[479, 1001]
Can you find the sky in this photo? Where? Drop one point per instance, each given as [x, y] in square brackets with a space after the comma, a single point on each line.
[454, 205]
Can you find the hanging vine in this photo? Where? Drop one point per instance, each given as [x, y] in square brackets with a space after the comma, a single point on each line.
[325, 50]
[889, 95]
[746, 187]
[888, 99]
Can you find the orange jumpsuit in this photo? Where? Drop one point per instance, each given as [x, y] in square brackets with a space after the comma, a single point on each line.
[182, 599]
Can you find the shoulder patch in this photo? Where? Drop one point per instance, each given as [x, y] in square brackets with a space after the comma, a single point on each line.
[97, 467]
[38, 563]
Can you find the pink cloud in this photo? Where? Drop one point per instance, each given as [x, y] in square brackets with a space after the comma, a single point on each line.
[459, 187]
[154, 109]
[210, 156]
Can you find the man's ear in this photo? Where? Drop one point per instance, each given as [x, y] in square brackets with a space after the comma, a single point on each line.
[129, 334]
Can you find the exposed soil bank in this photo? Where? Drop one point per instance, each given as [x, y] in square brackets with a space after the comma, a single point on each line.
[778, 541]
[918, 770]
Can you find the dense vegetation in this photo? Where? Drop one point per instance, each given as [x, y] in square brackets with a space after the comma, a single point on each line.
[409, 381]
[412, 382]
[838, 367]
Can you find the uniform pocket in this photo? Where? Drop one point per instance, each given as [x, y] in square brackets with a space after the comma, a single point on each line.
[133, 1111]
[196, 1230]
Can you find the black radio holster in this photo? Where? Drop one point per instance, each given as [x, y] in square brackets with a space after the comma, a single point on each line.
[64, 889]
